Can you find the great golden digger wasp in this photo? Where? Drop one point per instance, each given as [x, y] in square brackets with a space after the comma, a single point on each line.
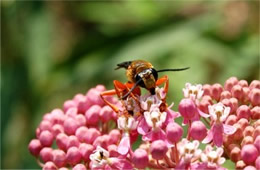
[140, 73]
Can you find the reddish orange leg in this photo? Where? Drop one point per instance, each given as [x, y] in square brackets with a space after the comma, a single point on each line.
[109, 93]
[162, 80]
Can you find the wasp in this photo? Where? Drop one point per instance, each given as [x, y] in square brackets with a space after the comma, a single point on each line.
[139, 73]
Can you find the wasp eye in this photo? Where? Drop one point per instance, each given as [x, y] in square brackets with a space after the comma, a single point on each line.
[155, 74]
[138, 78]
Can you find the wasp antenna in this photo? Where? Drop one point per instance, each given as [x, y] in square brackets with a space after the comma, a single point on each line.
[130, 91]
[173, 69]
[123, 65]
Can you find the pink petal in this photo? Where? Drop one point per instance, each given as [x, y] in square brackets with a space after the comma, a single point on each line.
[203, 114]
[209, 137]
[229, 130]
[124, 145]
[143, 128]
[121, 164]
[218, 134]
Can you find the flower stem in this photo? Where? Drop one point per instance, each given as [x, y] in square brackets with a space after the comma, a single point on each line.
[169, 162]
[39, 163]
[176, 153]
[188, 133]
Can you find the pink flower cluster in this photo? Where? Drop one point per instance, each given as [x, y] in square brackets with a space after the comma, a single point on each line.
[87, 134]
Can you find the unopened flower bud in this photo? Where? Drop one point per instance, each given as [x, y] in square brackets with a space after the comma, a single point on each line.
[35, 147]
[106, 114]
[62, 141]
[248, 131]
[246, 92]
[46, 138]
[240, 164]
[100, 141]
[81, 120]
[115, 135]
[198, 130]
[57, 116]
[113, 151]
[85, 151]
[257, 143]
[243, 83]
[92, 115]
[237, 92]
[231, 120]
[247, 140]
[243, 122]
[250, 167]
[254, 96]
[82, 133]
[57, 129]
[206, 88]
[225, 95]
[243, 112]
[45, 125]
[68, 104]
[174, 132]
[94, 98]
[73, 155]
[235, 154]
[79, 167]
[216, 90]
[71, 112]
[255, 113]
[234, 104]
[70, 126]
[59, 158]
[257, 163]
[204, 105]
[49, 166]
[256, 132]
[72, 141]
[187, 108]
[158, 149]
[46, 154]
[140, 158]
[249, 153]
[92, 135]
[255, 84]
[230, 83]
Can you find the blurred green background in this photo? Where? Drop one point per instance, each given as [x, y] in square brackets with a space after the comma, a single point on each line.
[52, 50]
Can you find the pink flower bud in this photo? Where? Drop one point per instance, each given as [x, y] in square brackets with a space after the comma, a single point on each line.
[243, 122]
[225, 95]
[234, 104]
[255, 84]
[72, 141]
[239, 132]
[254, 96]
[46, 138]
[47, 117]
[248, 131]
[174, 132]
[243, 112]
[100, 141]
[257, 143]
[237, 92]
[100, 88]
[140, 158]
[78, 97]
[187, 108]
[62, 141]
[249, 153]
[83, 104]
[115, 135]
[92, 135]
[92, 115]
[106, 114]
[257, 163]
[235, 154]
[250, 167]
[243, 83]
[158, 149]
[68, 104]
[59, 158]
[85, 151]
[81, 120]
[57, 116]
[57, 129]
[230, 83]
[240, 164]
[72, 112]
[94, 98]
[70, 126]
[46, 154]
[227, 103]
[247, 140]
[231, 120]
[256, 132]
[112, 149]
[255, 113]
[37, 132]
[79, 167]
[45, 125]
[35, 147]
[206, 88]
[216, 90]
[256, 123]
[82, 133]
[63, 168]
[204, 105]
[198, 130]
[49, 166]
[73, 155]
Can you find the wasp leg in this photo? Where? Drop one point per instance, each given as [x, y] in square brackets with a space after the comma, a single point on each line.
[109, 93]
[162, 80]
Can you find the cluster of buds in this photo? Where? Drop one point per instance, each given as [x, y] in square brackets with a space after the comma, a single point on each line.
[88, 134]
[243, 99]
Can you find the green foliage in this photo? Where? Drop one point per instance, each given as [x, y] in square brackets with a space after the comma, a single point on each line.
[52, 50]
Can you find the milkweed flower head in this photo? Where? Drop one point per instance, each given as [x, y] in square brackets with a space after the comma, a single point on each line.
[87, 133]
